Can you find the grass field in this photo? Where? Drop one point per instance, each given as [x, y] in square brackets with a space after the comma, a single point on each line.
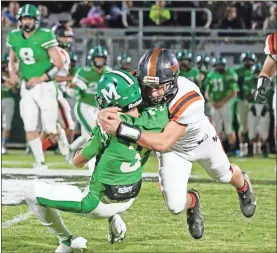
[151, 228]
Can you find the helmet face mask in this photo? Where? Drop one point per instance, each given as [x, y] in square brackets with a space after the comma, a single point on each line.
[28, 24]
[99, 61]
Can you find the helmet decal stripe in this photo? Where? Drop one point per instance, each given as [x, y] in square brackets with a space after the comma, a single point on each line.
[152, 65]
[26, 13]
[123, 75]
[100, 50]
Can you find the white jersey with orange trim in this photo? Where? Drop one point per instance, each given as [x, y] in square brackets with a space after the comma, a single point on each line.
[187, 108]
[64, 71]
[271, 45]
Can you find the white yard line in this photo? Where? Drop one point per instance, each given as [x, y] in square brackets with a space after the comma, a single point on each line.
[16, 219]
[64, 173]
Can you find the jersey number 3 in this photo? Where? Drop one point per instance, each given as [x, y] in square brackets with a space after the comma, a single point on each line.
[27, 55]
[127, 167]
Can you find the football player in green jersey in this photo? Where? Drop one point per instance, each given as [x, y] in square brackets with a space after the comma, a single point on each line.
[186, 70]
[35, 49]
[221, 89]
[245, 73]
[85, 82]
[117, 178]
[124, 62]
[258, 116]
[7, 102]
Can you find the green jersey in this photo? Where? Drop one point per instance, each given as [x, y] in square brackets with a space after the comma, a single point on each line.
[193, 75]
[120, 162]
[244, 75]
[31, 52]
[86, 79]
[218, 86]
[73, 70]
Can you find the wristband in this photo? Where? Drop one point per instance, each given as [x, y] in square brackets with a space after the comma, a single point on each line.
[264, 81]
[52, 72]
[128, 132]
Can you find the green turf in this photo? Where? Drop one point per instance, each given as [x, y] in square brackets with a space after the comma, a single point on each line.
[257, 168]
[151, 228]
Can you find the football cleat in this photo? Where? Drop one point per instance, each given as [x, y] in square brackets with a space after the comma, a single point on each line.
[62, 141]
[4, 150]
[247, 199]
[40, 167]
[75, 243]
[194, 218]
[117, 229]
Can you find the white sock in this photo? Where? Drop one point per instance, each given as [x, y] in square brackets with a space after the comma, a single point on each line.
[255, 148]
[77, 143]
[259, 148]
[50, 218]
[36, 147]
[245, 148]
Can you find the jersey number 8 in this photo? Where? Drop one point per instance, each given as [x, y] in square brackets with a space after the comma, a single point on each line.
[27, 55]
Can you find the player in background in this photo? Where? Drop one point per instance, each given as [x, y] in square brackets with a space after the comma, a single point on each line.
[188, 137]
[7, 102]
[85, 81]
[258, 116]
[186, 70]
[203, 63]
[245, 77]
[36, 51]
[124, 62]
[267, 75]
[117, 178]
[220, 90]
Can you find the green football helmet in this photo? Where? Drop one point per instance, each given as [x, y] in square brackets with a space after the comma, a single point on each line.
[184, 58]
[219, 61]
[118, 88]
[124, 61]
[97, 51]
[28, 10]
[184, 55]
[248, 56]
[203, 62]
[248, 59]
[124, 58]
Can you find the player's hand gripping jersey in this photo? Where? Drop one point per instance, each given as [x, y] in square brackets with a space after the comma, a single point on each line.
[32, 51]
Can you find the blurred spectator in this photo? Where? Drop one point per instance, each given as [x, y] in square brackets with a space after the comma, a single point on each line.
[159, 14]
[44, 20]
[231, 21]
[245, 10]
[80, 10]
[95, 17]
[9, 15]
[119, 17]
[270, 22]
[260, 12]
[218, 9]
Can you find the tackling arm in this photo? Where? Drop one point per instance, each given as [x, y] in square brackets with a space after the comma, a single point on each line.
[162, 141]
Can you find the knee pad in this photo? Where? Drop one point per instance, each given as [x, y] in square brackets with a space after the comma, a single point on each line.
[226, 178]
